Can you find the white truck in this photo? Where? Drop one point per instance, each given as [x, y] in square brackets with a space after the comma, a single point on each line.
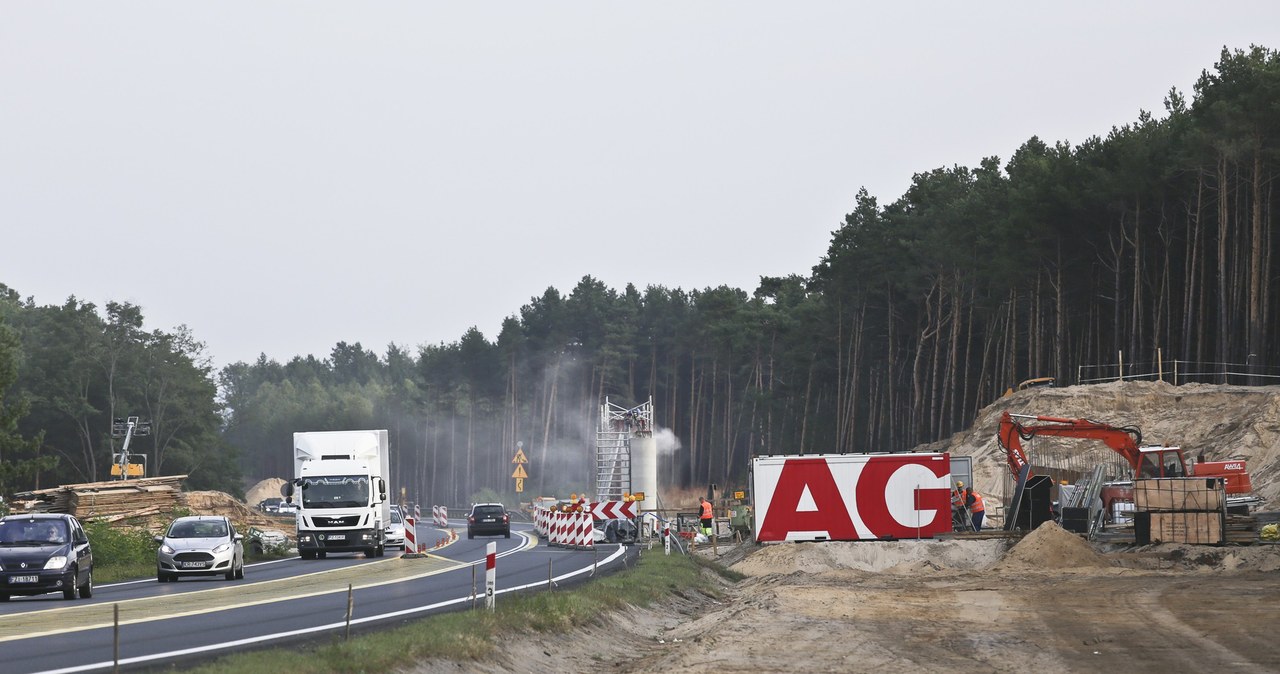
[340, 485]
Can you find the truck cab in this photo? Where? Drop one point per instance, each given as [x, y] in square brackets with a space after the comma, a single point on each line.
[340, 488]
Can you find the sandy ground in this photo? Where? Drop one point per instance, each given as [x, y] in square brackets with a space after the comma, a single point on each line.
[1050, 603]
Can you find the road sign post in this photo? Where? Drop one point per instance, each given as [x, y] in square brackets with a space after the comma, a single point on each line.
[519, 473]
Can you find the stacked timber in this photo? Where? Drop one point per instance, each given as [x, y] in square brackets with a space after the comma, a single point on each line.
[114, 501]
[1180, 510]
[1242, 529]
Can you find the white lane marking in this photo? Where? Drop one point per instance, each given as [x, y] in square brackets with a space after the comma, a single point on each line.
[152, 580]
[321, 628]
[184, 595]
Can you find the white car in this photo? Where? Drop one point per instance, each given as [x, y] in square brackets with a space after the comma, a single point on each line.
[394, 531]
[287, 508]
[200, 545]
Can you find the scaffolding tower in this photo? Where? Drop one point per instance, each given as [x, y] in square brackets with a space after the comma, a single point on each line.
[613, 446]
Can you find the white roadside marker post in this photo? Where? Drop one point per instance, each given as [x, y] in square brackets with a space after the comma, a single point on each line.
[490, 574]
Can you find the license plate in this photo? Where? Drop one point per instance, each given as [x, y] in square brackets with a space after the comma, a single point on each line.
[337, 537]
[488, 520]
[14, 580]
[193, 565]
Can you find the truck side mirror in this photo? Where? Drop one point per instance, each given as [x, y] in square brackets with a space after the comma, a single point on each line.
[382, 489]
[286, 489]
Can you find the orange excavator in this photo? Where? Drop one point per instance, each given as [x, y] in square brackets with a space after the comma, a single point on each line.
[1125, 441]
[1146, 462]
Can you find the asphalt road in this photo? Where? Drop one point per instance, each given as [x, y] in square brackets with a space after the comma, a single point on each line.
[277, 602]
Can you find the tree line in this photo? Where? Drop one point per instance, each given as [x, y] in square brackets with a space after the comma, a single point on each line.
[1156, 238]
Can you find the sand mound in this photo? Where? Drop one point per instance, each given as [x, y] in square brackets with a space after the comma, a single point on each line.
[222, 503]
[885, 556]
[1052, 547]
[268, 488]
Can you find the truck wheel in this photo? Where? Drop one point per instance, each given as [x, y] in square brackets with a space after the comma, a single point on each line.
[382, 550]
[4, 597]
[308, 554]
[322, 555]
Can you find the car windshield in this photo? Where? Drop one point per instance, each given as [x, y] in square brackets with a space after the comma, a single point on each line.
[33, 532]
[395, 517]
[335, 491]
[198, 529]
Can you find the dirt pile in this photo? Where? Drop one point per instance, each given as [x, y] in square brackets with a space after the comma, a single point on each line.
[1054, 548]
[268, 488]
[872, 556]
[221, 503]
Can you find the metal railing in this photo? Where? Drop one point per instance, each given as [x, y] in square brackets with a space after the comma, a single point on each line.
[1178, 372]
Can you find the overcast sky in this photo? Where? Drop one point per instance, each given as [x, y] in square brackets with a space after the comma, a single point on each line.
[280, 177]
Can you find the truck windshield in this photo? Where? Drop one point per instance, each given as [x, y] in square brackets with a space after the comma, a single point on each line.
[335, 491]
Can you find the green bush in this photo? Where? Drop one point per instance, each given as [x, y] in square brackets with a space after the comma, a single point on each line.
[120, 554]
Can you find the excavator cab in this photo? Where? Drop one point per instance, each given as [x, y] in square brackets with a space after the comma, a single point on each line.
[1161, 462]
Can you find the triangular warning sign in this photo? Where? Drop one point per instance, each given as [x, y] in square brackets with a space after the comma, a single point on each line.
[519, 457]
[806, 503]
[519, 473]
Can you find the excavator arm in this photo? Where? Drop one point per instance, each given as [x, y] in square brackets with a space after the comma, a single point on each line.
[1124, 440]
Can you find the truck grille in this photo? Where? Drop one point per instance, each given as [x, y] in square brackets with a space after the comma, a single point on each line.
[322, 522]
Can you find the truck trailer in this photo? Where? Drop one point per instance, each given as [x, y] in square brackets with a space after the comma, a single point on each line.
[850, 497]
[340, 485]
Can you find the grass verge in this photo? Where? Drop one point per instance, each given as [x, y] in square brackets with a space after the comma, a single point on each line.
[474, 634]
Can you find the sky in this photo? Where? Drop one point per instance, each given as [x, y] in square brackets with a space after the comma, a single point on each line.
[283, 176]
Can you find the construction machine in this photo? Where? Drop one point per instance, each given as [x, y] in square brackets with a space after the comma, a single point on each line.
[1145, 462]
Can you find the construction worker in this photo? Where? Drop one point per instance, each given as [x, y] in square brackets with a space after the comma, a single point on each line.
[973, 501]
[706, 516]
[960, 518]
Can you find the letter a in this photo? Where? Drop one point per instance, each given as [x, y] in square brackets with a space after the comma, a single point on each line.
[784, 515]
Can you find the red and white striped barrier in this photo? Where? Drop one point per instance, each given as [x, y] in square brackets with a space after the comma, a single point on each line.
[557, 527]
[561, 529]
[441, 516]
[586, 531]
[410, 535]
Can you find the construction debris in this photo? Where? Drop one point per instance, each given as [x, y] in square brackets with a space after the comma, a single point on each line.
[118, 501]
[148, 503]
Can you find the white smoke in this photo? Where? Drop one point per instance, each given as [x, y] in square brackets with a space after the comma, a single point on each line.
[666, 441]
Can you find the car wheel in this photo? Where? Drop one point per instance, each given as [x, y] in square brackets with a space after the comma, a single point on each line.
[508, 534]
[469, 534]
[240, 573]
[72, 590]
[86, 590]
[231, 575]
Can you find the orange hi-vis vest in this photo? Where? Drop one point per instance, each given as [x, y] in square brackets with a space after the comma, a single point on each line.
[706, 510]
[977, 506]
[957, 498]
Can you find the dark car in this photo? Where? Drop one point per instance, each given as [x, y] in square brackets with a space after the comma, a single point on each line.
[488, 519]
[42, 553]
